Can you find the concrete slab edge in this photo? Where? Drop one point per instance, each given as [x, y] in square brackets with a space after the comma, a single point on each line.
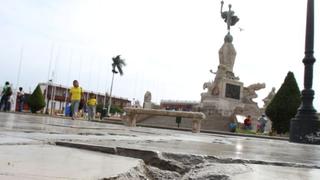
[158, 159]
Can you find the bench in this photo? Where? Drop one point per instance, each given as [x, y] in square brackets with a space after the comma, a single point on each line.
[132, 114]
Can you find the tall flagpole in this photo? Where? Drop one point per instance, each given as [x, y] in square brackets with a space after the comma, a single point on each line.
[18, 79]
[49, 70]
[19, 67]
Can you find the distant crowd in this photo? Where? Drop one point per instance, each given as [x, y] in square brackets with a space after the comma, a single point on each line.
[76, 100]
[247, 124]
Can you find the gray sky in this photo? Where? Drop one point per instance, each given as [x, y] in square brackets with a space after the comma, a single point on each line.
[169, 45]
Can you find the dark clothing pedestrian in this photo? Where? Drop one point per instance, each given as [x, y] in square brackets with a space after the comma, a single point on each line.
[5, 97]
[20, 98]
[262, 123]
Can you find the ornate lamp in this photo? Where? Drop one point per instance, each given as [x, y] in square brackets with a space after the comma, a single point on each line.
[305, 126]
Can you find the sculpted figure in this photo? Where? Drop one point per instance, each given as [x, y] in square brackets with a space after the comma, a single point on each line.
[249, 92]
[147, 97]
[227, 56]
[228, 16]
[212, 89]
[209, 86]
[268, 99]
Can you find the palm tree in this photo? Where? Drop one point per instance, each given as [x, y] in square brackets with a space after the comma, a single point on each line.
[118, 63]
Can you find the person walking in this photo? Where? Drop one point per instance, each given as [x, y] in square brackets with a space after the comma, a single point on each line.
[5, 97]
[75, 94]
[20, 98]
[91, 105]
[262, 123]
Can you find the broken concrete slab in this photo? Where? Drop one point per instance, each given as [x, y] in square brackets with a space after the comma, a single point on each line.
[9, 140]
[53, 162]
[183, 152]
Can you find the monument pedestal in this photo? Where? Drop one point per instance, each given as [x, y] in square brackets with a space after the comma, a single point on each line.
[220, 107]
[226, 95]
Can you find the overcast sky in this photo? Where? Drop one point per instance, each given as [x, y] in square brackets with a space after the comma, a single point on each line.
[169, 45]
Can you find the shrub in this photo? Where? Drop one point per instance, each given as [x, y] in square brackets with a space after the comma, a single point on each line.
[36, 101]
[100, 110]
[115, 109]
[284, 105]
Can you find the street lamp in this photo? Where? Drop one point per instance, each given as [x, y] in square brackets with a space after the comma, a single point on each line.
[305, 126]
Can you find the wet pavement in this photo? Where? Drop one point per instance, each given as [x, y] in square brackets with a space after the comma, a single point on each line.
[54, 162]
[234, 157]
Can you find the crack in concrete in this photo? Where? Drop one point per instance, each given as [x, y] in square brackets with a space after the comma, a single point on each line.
[91, 134]
[164, 165]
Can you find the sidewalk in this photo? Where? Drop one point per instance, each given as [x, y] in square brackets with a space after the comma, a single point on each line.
[152, 152]
[117, 121]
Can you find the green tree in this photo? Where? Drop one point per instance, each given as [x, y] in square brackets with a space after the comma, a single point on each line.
[100, 109]
[284, 105]
[113, 109]
[36, 101]
[116, 109]
[117, 65]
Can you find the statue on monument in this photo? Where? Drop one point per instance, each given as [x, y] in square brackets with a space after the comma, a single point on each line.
[229, 16]
[268, 99]
[211, 89]
[230, 19]
[227, 52]
[249, 92]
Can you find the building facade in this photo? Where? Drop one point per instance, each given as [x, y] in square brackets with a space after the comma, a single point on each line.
[56, 97]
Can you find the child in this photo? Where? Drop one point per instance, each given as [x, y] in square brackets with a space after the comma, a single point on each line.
[247, 123]
[92, 103]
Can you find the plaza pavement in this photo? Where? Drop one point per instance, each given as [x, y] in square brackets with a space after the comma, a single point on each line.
[41, 147]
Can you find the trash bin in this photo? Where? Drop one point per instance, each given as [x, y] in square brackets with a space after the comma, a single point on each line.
[68, 110]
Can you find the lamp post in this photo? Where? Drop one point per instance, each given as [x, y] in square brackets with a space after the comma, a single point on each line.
[305, 126]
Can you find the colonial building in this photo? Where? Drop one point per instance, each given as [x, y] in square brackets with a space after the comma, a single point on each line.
[56, 97]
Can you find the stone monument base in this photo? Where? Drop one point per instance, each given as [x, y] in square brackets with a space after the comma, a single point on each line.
[219, 112]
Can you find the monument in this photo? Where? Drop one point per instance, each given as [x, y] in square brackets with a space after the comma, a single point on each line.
[269, 97]
[226, 95]
[147, 104]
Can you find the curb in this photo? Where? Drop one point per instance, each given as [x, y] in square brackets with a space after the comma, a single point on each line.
[202, 131]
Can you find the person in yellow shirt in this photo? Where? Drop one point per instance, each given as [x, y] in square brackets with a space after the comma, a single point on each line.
[75, 95]
[92, 103]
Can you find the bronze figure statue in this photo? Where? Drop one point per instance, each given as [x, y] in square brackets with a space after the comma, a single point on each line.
[229, 16]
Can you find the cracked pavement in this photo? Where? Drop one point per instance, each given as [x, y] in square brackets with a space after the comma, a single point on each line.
[142, 153]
